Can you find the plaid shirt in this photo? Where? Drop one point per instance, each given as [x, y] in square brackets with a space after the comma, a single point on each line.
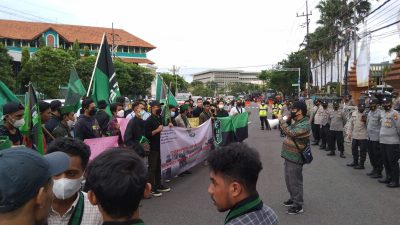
[91, 214]
[251, 211]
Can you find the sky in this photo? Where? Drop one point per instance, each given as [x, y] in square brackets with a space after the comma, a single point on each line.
[209, 34]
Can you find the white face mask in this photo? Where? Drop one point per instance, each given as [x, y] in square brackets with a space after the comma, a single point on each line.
[18, 123]
[70, 123]
[142, 112]
[221, 106]
[172, 114]
[65, 188]
[121, 113]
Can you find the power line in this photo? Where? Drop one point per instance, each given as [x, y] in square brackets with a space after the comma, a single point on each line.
[41, 19]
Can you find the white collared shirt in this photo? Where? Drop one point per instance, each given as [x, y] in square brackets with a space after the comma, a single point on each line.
[91, 214]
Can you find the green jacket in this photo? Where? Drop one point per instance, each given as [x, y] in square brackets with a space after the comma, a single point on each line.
[300, 130]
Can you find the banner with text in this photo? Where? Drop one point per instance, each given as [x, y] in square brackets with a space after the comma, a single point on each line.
[183, 148]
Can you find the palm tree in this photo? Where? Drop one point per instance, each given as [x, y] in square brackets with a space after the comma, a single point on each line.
[395, 50]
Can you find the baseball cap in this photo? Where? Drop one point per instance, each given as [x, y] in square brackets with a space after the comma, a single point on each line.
[12, 107]
[23, 171]
[155, 103]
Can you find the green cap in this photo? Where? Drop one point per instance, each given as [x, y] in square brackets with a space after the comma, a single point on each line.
[183, 107]
[67, 109]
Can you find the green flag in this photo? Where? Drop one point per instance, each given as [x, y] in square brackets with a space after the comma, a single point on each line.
[76, 91]
[162, 90]
[32, 128]
[6, 96]
[105, 85]
[231, 129]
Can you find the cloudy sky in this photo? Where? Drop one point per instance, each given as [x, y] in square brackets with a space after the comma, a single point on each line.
[196, 35]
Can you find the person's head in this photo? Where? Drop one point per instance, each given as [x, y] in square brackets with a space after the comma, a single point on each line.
[88, 106]
[123, 101]
[155, 107]
[13, 114]
[117, 110]
[183, 109]
[387, 103]
[45, 111]
[68, 183]
[324, 104]
[299, 110]
[263, 103]
[373, 104]
[137, 108]
[67, 115]
[187, 102]
[234, 173]
[206, 106]
[317, 102]
[239, 103]
[200, 103]
[55, 107]
[335, 105]
[221, 105]
[143, 105]
[102, 104]
[172, 110]
[117, 181]
[361, 107]
[26, 185]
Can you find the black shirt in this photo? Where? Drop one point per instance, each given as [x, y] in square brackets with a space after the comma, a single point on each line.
[134, 131]
[86, 128]
[222, 113]
[52, 123]
[152, 123]
[103, 118]
[197, 111]
[16, 138]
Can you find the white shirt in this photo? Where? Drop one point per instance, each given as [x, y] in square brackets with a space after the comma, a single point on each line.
[91, 214]
[235, 111]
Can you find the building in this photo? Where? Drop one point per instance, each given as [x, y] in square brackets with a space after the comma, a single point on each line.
[224, 77]
[17, 34]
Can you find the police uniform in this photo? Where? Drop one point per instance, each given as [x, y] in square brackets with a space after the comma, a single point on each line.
[358, 131]
[390, 140]
[374, 153]
[263, 112]
[316, 123]
[323, 113]
[336, 121]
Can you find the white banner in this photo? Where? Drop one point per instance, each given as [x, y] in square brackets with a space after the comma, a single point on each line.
[183, 148]
[363, 62]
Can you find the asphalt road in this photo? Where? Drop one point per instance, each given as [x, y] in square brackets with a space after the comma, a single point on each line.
[333, 192]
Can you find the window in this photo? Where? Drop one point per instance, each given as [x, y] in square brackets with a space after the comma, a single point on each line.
[50, 40]
[9, 42]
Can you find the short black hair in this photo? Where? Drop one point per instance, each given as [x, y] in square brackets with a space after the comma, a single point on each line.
[55, 105]
[43, 106]
[135, 104]
[72, 147]
[120, 99]
[237, 162]
[118, 178]
[114, 106]
[102, 104]
[206, 103]
[86, 103]
[199, 99]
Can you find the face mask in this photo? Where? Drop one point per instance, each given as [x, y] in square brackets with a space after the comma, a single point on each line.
[19, 123]
[360, 110]
[70, 123]
[121, 113]
[387, 107]
[92, 112]
[262, 104]
[158, 112]
[65, 188]
[142, 112]
[372, 108]
[220, 106]
[293, 115]
[172, 114]
[238, 104]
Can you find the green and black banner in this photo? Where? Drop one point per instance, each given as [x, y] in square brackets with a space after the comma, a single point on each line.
[76, 91]
[231, 129]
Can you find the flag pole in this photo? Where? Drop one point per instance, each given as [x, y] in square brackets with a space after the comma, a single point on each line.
[97, 59]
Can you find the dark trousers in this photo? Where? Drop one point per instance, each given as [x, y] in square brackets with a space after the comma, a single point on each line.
[154, 173]
[375, 156]
[315, 132]
[335, 137]
[362, 153]
[323, 133]
[294, 181]
[391, 155]
[264, 120]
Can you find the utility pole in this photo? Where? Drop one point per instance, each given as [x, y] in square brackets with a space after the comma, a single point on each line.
[174, 71]
[308, 42]
[113, 44]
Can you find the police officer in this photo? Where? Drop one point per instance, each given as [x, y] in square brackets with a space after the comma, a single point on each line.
[263, 110]
[390, 140]
[373, 127]
[323, 113]
[315, 121]
[358, 135]
[336, 121]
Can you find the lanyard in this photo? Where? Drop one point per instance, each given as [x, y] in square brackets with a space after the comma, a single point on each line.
[248, 207]
[76, 217]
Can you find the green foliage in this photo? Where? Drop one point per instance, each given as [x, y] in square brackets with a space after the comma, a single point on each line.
[86, 51]
[25, 56]
[6, 74]
[48, 69]
[84, 67]
[395, 50]
[171, 79]
[23, 78]
[75, 51]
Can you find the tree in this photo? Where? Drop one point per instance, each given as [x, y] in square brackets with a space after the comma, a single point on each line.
[84, 68]
[48, 69]
[75, 51]
[6, 74]
[25, 56]
[395, 50]
[171, 79]
[86, 51]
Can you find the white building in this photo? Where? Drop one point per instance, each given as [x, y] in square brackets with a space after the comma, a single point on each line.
[223, 77]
